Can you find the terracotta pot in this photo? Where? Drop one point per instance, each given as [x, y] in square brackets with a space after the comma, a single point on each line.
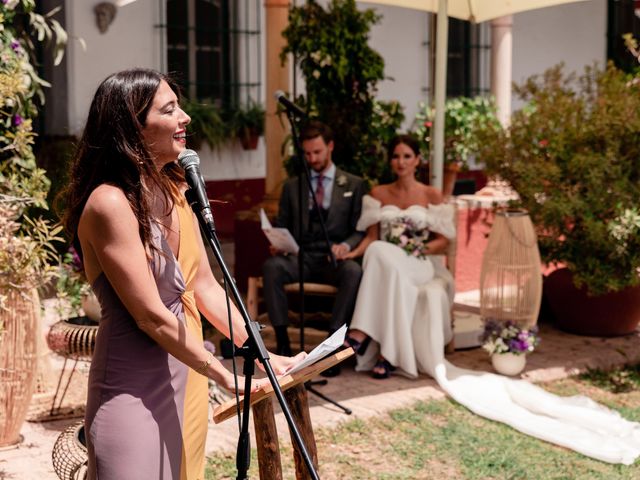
[508, 363]
[249, 139]
[608, 315]
[449, 176]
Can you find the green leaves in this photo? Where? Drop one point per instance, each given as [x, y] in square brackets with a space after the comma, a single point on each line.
[26, 242]
[341, 72]
[573, 155]
[464, 117]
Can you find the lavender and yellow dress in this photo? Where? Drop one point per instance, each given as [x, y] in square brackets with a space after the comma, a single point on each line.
[147, 412]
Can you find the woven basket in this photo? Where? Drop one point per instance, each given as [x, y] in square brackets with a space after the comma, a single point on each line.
[511, 276]
[73, 338]
[18, 350]
[69, 454]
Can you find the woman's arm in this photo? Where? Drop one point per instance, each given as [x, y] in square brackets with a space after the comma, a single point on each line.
[373, 233]
[109, 233]
[212, 303]
[438, 245]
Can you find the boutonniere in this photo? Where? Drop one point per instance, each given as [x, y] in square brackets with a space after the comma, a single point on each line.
[341, 181]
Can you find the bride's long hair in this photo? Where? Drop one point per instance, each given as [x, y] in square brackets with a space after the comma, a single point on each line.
[409, 140]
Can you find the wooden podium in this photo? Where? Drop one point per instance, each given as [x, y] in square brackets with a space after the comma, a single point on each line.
[266, 433]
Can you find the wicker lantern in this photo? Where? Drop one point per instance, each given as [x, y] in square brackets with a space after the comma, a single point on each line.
[18, 360]
[69, 454]
[511, 277]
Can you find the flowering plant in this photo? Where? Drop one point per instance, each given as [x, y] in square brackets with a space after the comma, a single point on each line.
[507, 337]
[409, 237]
[71, 283]
[463, 117]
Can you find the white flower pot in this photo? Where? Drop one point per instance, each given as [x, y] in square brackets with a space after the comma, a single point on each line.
[508, 363]
[91, 307]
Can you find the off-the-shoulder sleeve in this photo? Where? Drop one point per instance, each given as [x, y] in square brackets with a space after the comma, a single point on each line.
[370, 213]
[440, 219]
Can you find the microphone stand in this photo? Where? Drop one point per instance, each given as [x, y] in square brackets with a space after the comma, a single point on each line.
[304, 172]
[252, 349]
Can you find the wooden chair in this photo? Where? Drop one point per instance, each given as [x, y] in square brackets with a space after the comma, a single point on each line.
[255, 284]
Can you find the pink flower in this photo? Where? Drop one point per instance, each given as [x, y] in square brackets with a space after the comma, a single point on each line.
[428, 124]
[543, 143]
[403, 240]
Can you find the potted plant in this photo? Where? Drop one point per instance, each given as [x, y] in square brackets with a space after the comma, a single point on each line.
[207, 125]
[330, 44]
[463, 118]
[572, 155]
[26, 240]
[247, 123]
[74, 294]
[508, 344]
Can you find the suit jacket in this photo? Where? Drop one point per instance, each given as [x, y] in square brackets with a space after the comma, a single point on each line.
[344, 210]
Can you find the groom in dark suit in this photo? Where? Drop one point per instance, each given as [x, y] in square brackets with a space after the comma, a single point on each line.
[339, 196]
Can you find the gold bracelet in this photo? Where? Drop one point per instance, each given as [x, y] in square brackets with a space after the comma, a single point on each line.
[202, 369]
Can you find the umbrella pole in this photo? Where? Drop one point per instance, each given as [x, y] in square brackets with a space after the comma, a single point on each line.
[442, 38]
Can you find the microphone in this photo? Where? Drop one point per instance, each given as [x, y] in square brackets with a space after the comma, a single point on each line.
[190, 163]
[288, 104]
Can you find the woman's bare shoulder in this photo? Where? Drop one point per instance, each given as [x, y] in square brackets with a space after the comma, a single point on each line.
[108, 205]
[432, 194]
[379, 192]
[106, 199]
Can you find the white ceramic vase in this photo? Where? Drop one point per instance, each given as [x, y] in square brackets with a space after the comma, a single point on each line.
[91, 306]
[508, 363]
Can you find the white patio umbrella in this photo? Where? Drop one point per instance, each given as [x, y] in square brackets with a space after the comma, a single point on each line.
[471, 10]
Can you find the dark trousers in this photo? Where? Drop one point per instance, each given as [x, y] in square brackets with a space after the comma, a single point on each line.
[280, 270]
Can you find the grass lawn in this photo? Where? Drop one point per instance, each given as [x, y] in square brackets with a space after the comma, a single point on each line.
[442, 440]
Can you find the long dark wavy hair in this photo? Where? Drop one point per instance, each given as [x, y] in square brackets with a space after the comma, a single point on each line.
[112, 150]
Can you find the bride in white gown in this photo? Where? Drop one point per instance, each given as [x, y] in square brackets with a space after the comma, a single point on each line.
[402, 322]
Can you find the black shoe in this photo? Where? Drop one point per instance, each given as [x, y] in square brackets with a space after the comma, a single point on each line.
[331, 371]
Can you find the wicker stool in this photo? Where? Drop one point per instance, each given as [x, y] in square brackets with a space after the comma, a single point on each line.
[73, 338]
[69, 455]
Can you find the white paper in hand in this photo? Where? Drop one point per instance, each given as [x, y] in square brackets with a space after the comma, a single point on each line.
[331, 344]
[280, 238]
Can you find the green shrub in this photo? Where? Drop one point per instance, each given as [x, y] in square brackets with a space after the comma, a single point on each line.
[341, 72]
[463, 118]
[573, 156]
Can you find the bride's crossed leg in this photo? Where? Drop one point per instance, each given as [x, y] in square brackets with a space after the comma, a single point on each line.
[385, 308]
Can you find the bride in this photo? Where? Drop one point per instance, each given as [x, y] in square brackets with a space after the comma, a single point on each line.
[408, 229]
[402, 321]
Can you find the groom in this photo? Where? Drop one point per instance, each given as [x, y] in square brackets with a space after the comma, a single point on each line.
[339, 197]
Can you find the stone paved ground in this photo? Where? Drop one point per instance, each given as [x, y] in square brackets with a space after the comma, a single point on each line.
[558, 356]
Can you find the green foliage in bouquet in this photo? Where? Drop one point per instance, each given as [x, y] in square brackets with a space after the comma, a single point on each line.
[341, 72]
[573, 155]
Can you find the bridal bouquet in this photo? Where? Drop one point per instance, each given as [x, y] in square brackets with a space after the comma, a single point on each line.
[507, 337]
[405, 233]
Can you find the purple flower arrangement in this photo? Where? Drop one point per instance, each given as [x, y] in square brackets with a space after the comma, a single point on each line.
[409, 237]
[508, 337]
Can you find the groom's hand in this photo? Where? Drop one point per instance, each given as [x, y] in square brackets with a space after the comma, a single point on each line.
[340, 250]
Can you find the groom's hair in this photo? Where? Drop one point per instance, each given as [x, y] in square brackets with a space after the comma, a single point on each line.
[315, 129]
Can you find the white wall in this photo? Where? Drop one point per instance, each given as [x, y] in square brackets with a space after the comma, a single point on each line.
[233, 162]
[132, 40]
[400, 37]
[574, 34]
